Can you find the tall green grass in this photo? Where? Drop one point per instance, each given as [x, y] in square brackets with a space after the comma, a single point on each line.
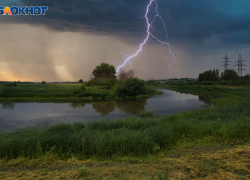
[130, 137]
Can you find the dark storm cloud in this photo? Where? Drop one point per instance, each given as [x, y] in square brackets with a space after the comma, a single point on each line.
[193, 20]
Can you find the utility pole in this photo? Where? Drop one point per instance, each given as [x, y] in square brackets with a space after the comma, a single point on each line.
[240, 65]
[226, 62]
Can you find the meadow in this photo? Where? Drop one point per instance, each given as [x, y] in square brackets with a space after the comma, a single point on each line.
[146, 138]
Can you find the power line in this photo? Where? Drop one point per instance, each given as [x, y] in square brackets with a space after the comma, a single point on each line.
[226, 62]
[240, 69]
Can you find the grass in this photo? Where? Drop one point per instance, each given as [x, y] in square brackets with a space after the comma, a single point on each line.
[228, 122]
[146, 114]
[59, 92]
[148, 144]
[194, 160]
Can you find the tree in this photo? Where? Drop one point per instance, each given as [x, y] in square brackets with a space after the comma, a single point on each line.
[230, 75]
[104, 71]
[43, 82]
[80, 81]
[211, 75]
[247, 77]
[126, 74]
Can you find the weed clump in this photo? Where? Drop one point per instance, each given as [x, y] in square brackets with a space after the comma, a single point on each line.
[83, 171]
[146, 114]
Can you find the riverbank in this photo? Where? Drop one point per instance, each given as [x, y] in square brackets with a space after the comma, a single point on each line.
[61, 93]
[142, 140]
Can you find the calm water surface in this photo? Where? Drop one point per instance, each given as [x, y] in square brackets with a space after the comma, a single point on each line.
[19, 115]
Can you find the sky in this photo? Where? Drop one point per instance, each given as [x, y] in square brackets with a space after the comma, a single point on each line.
[75, 36]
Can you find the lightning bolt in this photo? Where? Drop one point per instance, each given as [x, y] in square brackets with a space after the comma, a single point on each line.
[150, 25]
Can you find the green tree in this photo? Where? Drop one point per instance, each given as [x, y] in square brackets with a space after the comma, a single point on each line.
[80, 81]
[230, 75]
[105, 71]
[43, 82]
[131, 87]
[247, 77]
[211, 75]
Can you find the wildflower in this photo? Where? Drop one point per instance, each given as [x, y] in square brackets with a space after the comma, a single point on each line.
[83, 139]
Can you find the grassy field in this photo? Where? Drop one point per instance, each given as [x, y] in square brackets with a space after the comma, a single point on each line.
[58, 92]
[189, 160]
[209, 143]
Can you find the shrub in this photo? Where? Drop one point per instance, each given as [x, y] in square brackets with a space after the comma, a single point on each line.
[100, 94]
[83, 170]
[85, 94]
[76, 91]
[247, 77]
[95, 82]
[10, 84]
[109, 83]
[83, 88]
[131, 87]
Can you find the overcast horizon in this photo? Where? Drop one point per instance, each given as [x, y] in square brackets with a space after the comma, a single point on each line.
[74, 37]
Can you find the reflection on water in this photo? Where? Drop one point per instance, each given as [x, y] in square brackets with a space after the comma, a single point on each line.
[18, 115]
[105, 108]
[8, 105]
[75, 105]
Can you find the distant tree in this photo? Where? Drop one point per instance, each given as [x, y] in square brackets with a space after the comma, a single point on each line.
[104, 71]
[211, 75]
[229, 75]
[43, 82]
[80, 81]
[247, 77]
[126, 74]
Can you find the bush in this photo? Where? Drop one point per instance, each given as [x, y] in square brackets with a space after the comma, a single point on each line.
[100, 94]
[85, 94]
[10, 84]
[83, 88]
[247, 77]
[76, 91]
[93, 94]
[83, 170]
[131, 87]
[95, 82]
[109, 83]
